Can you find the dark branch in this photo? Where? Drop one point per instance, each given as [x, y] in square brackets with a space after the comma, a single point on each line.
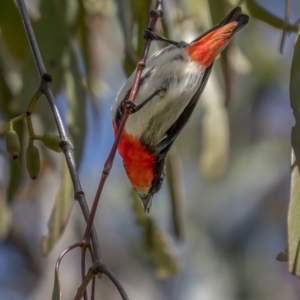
[45, 87]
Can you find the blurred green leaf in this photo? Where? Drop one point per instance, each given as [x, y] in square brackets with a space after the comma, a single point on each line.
[5, 99]
[60, 213]
[218, 12]
[294, 208]
[12, 30]
[31, 83]
[129, 65]
[126, 19]
[51, 35]
[156, 242]
[133, 14]
[175, 184]
[262, 14]
[15, 172]
[294, 219]
[76, 95]
[5, 216]
[140, 15]
[83, 33]
[56, 293]
[5, 94]
[70, 10]
[215, 138]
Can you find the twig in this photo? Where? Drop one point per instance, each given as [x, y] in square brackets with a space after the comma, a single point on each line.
[102, 268]
[154, 15]
[286, 22]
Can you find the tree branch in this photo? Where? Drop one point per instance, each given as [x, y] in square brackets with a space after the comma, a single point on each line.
[154, 15]
[45, 87]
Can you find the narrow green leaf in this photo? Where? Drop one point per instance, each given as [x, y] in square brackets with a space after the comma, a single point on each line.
[262, 14]
[133, 14]
[294, 220]
[5, 100]
[218, 11]
[294, 207]
[51, 36]
[12, 31]
[215, 136]
[140, 16]
[15, 172]
[56, 293]
[126, 19]
[175, 184]
[156, 243]
[60, 213]
[5, 216]
[81, 27]
[76, 95]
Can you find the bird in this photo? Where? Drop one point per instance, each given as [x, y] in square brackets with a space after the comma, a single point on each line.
[168, 92]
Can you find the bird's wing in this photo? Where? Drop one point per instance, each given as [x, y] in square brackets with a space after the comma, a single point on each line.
[174, 130]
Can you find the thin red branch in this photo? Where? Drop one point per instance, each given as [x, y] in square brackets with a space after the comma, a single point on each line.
[99, 265]
[83, 251]
[154, 15]
[57, 265]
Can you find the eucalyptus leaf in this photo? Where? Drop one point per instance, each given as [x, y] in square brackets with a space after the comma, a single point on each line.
[294, 220]
[18, 47]
[262, 14]
[218, 11]
[176, 189]
[76, 96]
[51, 35]
[5, 216]
[56, 293]
[60, 213]
[156, 243]
[294, 207]
[215, 136]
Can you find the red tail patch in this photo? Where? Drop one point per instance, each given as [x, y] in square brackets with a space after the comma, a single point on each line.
[209, 46]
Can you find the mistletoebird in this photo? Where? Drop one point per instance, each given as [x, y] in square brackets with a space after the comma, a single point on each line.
[168, 92]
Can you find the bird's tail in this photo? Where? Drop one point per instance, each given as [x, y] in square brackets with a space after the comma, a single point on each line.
[205, 48]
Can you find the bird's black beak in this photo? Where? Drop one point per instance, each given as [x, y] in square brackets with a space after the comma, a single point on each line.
[147, 202]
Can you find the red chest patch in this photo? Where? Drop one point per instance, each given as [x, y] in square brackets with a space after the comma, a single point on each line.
[138, 161]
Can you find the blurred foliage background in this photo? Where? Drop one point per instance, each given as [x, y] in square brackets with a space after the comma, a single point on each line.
[229, 171]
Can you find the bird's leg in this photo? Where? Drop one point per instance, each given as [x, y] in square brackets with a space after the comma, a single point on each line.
[136, 107]
[149, 33]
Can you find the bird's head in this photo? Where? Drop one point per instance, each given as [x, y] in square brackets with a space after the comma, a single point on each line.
[146, 197]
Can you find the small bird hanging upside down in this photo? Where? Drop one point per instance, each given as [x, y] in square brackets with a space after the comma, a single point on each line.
[168, 92]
